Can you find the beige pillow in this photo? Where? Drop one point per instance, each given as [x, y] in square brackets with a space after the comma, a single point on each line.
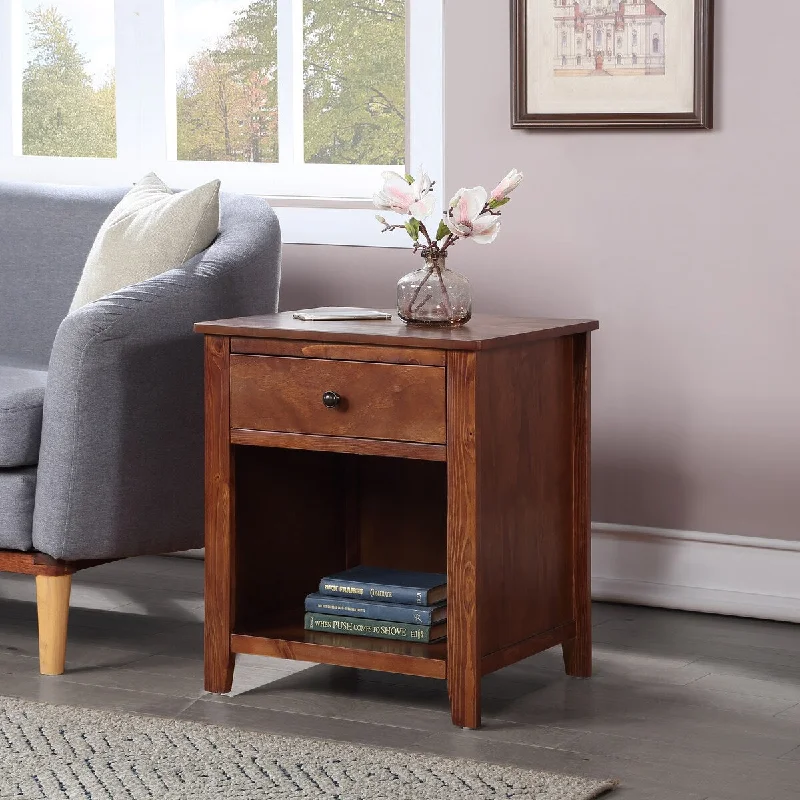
[150, 231]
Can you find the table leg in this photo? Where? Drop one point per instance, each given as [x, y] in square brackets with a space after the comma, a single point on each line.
[578, 651]
[463, 646]
[220, 523]
[464, 688]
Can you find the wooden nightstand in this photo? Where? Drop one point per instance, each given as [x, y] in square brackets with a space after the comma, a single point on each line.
[463, 450]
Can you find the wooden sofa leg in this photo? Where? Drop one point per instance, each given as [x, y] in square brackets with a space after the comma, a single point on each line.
[52, 605]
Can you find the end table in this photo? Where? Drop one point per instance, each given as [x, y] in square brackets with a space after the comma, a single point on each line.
[458, 450]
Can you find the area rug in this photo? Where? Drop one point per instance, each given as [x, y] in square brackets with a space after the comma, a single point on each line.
[61, 753]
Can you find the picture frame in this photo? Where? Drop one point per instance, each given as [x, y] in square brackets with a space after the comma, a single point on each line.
[612, 64]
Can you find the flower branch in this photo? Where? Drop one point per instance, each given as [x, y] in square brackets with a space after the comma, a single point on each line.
[472, 213]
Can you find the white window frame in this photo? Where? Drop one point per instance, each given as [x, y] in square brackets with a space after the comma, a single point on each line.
[316, 203]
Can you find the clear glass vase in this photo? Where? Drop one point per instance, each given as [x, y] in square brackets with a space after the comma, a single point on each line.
[434, 294]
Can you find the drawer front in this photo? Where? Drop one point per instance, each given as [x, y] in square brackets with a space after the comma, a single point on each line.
[378, 401]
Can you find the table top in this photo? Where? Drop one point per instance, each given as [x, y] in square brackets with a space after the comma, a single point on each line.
[482, 332]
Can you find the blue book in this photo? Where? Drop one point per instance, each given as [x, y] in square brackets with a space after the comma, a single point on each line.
[371, 609]
[387, 586]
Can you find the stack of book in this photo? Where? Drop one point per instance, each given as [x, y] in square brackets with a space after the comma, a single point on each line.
[387, 603]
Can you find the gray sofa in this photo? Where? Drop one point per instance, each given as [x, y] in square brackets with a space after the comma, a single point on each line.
[101, 411]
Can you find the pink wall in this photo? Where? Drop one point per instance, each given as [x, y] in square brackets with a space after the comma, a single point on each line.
[684, 245]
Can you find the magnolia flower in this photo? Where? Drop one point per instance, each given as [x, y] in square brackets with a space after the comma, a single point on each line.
[467, 218]
[398, 195]
[507, 185]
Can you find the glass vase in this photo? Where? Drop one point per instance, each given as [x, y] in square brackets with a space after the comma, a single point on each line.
[434, 294]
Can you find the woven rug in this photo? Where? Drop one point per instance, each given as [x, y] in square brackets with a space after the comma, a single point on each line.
[55, 752]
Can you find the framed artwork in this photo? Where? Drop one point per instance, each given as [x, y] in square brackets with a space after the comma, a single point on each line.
[612, 64]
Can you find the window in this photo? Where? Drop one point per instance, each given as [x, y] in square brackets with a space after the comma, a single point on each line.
[655, 43]
[290, 99]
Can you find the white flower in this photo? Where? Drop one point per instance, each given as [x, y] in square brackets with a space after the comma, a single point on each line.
[467, 220]
[507, 185]
[416, 199]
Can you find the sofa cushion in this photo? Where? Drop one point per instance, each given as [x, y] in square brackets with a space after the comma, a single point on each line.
[151, 230]
[17, 490]
[21, 401]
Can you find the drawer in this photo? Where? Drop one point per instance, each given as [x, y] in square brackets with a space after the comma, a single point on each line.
[378, 401]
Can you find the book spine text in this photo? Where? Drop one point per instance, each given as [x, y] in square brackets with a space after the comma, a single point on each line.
[326, 623]
[404, 595]
[416, 615]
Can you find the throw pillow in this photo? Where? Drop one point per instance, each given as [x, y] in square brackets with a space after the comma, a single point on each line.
[151, 230]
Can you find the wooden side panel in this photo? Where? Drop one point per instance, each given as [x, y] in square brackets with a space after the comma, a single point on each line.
[378, 401]
[219, 518]
[578, 651]
[464, 597]
[292, 518]
[524, 423]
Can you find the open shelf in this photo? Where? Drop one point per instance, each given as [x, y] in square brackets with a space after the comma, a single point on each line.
[288, 639]
[301, 515]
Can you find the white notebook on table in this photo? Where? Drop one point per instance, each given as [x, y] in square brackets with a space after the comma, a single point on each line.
[333, 313]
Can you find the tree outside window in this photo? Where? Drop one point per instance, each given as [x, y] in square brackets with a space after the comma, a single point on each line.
[66, 110]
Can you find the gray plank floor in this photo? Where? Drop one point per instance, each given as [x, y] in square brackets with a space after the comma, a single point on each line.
[682, 706]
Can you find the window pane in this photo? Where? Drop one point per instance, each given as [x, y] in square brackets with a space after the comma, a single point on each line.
[226, 52]
[355, 81]
[68, 97]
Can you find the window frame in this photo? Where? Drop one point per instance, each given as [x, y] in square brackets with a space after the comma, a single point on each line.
[317, 203]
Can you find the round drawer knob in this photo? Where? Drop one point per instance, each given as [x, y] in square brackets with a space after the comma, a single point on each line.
[331, 399]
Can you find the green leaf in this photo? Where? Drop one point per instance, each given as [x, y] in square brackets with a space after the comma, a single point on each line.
[493, 204]
[412, 226]
[443, 232]
[409, 179]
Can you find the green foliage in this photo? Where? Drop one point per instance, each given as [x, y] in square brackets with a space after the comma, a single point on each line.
[442, 231]
[355, 66]
[228, 97]
[412, 227]
[62, 113]
[493, 204]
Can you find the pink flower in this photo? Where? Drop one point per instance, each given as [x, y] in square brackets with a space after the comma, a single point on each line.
[507, 185]
[468, 219]
[416, 199]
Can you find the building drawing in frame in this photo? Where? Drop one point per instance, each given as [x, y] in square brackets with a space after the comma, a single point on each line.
[609, 37]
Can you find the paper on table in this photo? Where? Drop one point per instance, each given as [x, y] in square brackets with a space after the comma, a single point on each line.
[333, 313]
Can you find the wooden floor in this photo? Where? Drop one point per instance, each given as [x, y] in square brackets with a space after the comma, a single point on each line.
[683, 706]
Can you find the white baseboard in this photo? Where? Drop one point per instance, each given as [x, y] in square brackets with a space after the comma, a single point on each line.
[707, 572]
[198, 553]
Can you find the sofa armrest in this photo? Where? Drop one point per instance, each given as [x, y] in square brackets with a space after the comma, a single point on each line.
[121, 459]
